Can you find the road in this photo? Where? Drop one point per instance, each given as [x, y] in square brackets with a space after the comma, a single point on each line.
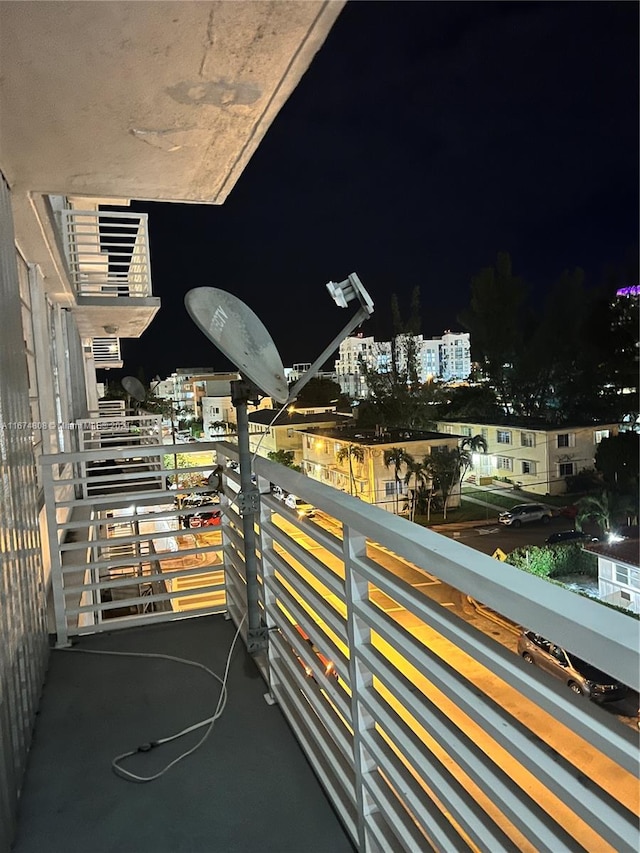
[587, 761]
[485, 539]
[491, 535]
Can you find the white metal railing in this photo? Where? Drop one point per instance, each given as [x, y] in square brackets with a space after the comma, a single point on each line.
[107, 252]
[425, 731]
[433, 735]
[112, 408]
[119, 550]
[119, 429]
[106, 352]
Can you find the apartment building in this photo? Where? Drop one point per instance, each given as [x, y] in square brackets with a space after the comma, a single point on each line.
[328, 456]
[268, 433]
[537, 458]
[102, 103]
[446, 358]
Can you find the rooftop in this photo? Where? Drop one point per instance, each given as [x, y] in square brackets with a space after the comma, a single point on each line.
[265, 416]
[387, 436]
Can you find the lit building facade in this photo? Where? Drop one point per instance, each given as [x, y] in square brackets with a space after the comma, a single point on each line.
[447, 358]
[538, 459]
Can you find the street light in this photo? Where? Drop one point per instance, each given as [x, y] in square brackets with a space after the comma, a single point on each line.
[240, 335]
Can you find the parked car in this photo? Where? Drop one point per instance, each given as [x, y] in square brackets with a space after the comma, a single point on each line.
[205, 519]
[568, 536]
[525, 513]
[278, 492]
[304, 509]
[580, 676]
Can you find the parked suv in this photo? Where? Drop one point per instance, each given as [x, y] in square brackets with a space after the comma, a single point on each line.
[524, 513]
[580, 676]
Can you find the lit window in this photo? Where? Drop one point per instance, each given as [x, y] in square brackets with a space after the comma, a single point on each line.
[599, 434]
[527, 439]
[505, 463]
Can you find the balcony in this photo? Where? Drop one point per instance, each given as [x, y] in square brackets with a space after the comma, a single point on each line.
[421, 725]
[109, 266]
[105, 352]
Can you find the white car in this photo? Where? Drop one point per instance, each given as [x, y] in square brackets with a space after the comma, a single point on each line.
[524, 513]
[304, 509]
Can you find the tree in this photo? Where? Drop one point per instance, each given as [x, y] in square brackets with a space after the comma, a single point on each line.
[444, 467]
[350, 452]
[470, 403]
[618, 459]
[321, 392]
[419, 472]
[396, 457]
[468, 446]
[283, 457]
[494, 321]
[604, 509]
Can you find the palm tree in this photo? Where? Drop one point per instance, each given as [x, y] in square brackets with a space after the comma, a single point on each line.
[350, 452]
[396, 456]
[444, 464]
[419, 472]
[603, 509]
[468, 446]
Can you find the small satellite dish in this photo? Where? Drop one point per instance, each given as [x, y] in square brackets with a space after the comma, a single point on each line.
[241, 336]
[134, 388]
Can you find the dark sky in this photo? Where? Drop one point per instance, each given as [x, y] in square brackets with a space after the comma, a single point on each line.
[424, 138]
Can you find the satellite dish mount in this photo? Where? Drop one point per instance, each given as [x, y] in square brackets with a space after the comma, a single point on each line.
[240, 335]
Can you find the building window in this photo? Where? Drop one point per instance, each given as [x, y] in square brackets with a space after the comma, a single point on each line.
[566, 469]
[390, 488]
[628, 576]
[528, 467]
[505, 463]
[504, 436]
[599, 434]
[527, 439]
[566, 439]
[465, 430]
[485, 433]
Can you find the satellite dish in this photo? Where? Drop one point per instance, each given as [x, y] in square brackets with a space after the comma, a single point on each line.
[134, 388]
[241, 336]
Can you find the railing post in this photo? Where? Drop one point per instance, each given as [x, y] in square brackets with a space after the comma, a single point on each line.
[359, 634]
[57, 584]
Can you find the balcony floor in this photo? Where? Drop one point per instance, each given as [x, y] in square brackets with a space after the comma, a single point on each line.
[249, 786]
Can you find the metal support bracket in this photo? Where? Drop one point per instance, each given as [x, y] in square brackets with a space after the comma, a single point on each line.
[248, 502]
[257, 639]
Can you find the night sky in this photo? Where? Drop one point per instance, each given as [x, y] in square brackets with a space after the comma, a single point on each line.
[423, 139]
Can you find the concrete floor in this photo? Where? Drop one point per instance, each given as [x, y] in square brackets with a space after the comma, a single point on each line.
[248, 788]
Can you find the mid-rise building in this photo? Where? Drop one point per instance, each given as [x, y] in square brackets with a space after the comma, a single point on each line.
[353, 460]
[447, 358]
[538, 458]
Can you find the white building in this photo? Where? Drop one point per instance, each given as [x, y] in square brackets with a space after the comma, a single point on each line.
[618, 573]
[445, 358]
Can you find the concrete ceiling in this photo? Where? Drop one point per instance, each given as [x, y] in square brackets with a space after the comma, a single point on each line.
[147, 100]
[144, 100]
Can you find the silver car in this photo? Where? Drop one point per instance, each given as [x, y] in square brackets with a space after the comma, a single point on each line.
[524, 513]
[580, 676]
